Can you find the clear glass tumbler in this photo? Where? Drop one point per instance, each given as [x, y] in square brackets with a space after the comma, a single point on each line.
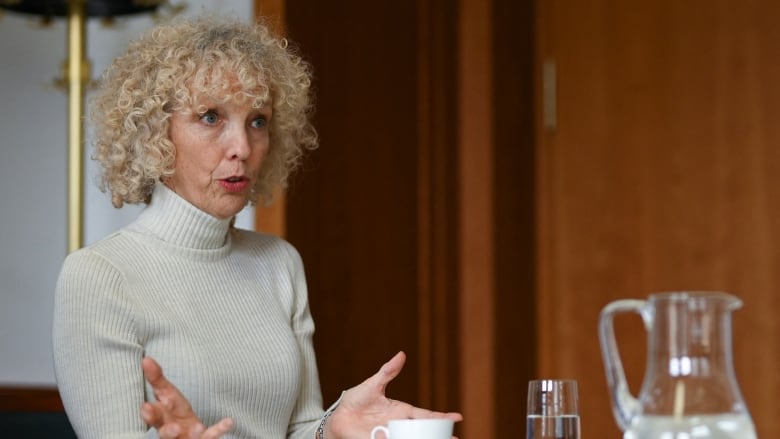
[553, 410]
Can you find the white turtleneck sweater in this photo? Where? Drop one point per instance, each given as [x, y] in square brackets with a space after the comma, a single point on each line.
[224, 311]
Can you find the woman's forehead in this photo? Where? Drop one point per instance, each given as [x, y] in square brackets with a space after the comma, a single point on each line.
[228, 86]
[229, 77]
[202, 101]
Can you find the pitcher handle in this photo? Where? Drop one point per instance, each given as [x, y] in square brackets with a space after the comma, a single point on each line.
[624, 405]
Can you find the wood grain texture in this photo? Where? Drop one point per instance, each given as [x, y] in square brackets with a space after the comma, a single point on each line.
[662, 175]
[437, 224]
[476, 230]
[426, 164]
[353, 210]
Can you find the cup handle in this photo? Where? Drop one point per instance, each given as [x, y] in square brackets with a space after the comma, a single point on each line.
[382, 429]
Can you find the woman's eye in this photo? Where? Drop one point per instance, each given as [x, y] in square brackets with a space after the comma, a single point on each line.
[209, 117]
[260, 122]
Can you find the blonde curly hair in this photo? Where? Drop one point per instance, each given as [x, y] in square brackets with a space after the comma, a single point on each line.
[166, 70]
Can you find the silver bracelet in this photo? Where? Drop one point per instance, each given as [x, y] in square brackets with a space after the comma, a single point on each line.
[321, 428]
[331, 409]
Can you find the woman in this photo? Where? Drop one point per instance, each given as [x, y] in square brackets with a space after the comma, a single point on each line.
[196, 120]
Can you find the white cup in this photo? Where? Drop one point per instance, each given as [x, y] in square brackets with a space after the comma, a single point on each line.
[415, 429]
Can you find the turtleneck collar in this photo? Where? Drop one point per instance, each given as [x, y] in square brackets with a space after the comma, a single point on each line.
[173, 219]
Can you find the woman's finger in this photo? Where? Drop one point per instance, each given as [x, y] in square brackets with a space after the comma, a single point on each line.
[219, 429]
[421, 413]
[151, 414]
[154, 375]
[196, 431]
[152, 371]
[388, 371]
[169, 431]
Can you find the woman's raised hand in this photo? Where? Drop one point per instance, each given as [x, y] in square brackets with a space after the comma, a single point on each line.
[365, 406]
[172, 414]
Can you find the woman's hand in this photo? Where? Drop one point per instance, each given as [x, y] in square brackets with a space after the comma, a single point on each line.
[365, 406]
[172, 414]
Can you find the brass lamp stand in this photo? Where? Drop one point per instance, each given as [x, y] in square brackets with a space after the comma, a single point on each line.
[76, 76]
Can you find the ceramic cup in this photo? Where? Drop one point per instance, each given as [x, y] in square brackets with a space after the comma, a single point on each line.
[415, 429]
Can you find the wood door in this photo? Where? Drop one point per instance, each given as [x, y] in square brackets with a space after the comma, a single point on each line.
[369, 210]
[661, 174]
[419, 202]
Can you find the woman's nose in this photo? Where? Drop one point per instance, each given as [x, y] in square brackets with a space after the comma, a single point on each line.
[239, 147]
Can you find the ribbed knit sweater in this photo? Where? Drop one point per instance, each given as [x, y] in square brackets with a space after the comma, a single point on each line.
[224, 311]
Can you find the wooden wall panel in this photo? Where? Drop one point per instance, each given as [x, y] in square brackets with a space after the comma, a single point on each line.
[661, 175]
[455, 86]
[514, 225]
[437, 203]
[354, 211]
[476, 231]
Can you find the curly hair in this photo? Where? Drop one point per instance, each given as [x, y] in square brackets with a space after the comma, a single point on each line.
[166, 70]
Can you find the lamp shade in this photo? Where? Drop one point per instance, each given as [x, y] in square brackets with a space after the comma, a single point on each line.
[93, 8]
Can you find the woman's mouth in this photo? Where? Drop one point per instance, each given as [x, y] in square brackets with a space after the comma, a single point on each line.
[234, 183]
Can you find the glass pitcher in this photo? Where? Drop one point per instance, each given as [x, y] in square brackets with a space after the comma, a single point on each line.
[689, 389]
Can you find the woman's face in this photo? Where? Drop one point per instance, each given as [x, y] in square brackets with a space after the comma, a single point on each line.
[219, 151]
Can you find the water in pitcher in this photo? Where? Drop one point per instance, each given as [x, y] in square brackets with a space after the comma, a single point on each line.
[727, 426]
[689, 369]
[553, 427]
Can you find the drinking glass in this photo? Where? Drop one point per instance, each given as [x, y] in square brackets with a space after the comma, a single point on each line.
[553, 410]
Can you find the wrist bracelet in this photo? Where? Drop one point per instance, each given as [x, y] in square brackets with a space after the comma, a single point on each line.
[331, 409]
[321, 428]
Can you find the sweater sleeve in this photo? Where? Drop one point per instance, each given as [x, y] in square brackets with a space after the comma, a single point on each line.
[308, 410]
[97, 355]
